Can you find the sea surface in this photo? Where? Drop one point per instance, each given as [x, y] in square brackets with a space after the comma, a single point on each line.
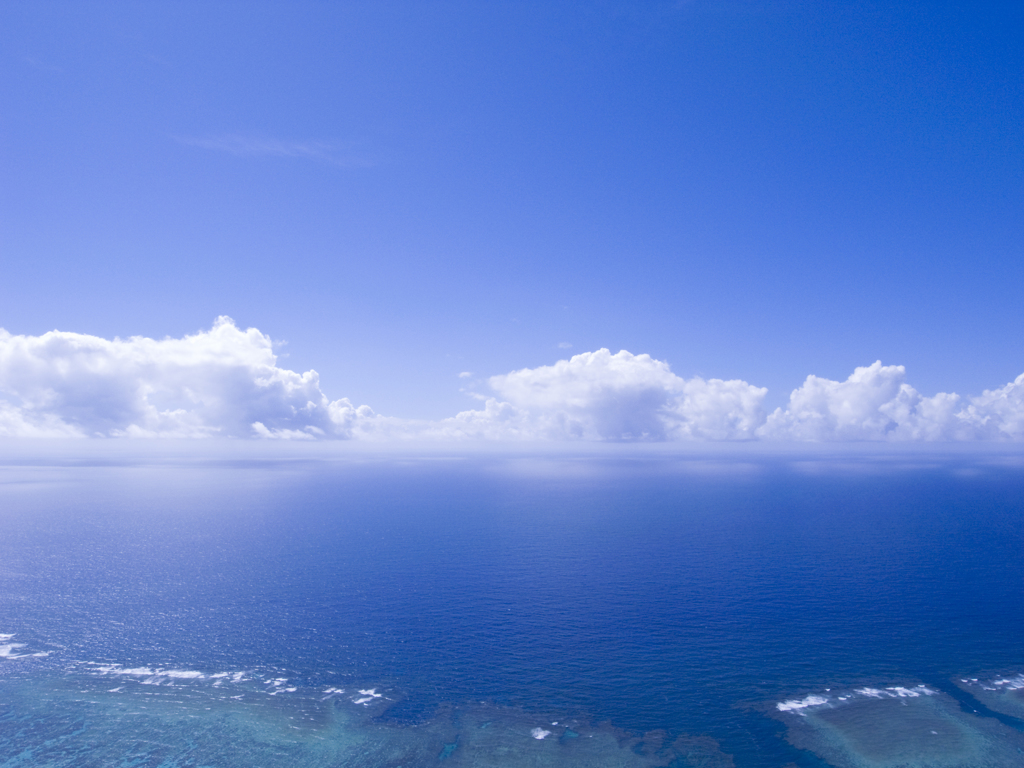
[313, 606]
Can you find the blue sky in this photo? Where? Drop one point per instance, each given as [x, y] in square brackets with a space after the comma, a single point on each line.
[406, 191]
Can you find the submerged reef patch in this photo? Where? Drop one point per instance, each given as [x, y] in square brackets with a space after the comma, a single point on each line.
[93, 715]
[901, 726]
[1001, 693]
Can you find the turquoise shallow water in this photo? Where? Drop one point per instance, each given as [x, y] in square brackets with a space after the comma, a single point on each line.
[640, 609]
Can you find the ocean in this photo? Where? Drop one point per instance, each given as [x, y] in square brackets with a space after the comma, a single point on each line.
[618, 605]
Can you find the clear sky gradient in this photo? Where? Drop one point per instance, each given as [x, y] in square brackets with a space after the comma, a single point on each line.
[406, 191]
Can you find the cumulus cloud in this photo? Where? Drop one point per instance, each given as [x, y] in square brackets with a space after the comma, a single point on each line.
[875, 403]
[625, 397]
[221, 382]
[601, 396]
[225, 382]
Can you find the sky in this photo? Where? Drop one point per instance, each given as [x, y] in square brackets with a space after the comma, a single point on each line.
[399, 193]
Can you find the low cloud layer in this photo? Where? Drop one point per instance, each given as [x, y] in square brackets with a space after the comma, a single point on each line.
[601, 396]
[222, 382]
[876, 403]
[225, 382]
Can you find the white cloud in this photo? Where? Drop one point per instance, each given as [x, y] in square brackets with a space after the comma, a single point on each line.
[221, 382]
[875, 403]
[601, 396]
[226, 382]
[997, 413]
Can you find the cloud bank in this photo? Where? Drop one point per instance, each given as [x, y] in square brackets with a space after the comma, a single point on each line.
[601, 396]
[225, 382]
[875, 403]
[222, 382]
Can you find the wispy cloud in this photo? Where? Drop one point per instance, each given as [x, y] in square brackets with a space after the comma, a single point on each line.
[243, 145]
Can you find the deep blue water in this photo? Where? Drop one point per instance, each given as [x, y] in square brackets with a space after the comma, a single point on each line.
[650, 590]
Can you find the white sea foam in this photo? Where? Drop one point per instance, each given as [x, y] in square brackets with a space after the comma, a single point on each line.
[911, 693]
[7, 651]
[896, 692]
[901, 725]
[795, 705]
[234, 677]
[1009, 683]
[891, 692]
[873, 693]
[178, 678]
[117, 669]
[183, 674]
[539, 733]
[277, 685]
[162, 676]
[156, 676]
[1014, 683]
[368, 695]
